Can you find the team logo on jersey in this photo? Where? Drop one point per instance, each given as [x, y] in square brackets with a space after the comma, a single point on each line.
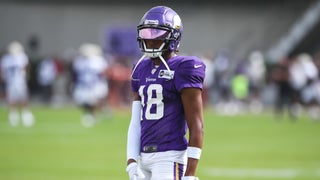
[166, 74]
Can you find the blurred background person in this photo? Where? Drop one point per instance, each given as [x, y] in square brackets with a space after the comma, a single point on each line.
[90, 84]
[122, 48]
[240, 90]
[14, 72]
[311, 89]
[257, 76]
[47, 74]
[297, 80]
[208, 59]
[221, 82]
[280, 75]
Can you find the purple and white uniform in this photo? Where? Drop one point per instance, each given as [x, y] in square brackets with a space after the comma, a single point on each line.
[163, 125]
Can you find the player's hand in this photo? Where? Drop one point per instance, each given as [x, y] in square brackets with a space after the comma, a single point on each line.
[189, 178]
[134, 171]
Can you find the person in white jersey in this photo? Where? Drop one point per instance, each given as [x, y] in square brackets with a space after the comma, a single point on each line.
[91, 87]
[14, 69]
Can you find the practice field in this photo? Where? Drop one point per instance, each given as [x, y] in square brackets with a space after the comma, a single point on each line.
[236, 148]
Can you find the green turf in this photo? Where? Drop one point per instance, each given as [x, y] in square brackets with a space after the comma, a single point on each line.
[240, 147]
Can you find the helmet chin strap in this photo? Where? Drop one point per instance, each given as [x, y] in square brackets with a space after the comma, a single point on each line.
[151, 54]
[165, 63]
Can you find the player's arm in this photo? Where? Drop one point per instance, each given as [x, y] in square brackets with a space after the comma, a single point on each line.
[192, 103]
[133, 139]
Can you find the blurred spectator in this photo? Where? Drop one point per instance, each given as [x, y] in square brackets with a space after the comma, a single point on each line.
[33, 46]
[14, 72]
[298, 80]
[316, 112]
[310, 92]
[257, 76]
[90, 84]
[280, 75]
[2, 84]
[240, 86]
[222, 76]
[208, 60]
[47, 74]
[116, 44]
[119, 81]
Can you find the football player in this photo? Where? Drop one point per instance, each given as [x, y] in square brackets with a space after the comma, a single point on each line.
[47, 75]
[91, 87]
[167, 101]
[14, 66]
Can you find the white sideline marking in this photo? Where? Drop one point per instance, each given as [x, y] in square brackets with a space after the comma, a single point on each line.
[259, 173]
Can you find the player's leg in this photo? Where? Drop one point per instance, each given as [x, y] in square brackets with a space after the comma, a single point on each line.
[23, 99]
[13, 115]
[102, 110]
[168, 165]
[27, 117]
[83, 98]
[167, 170]
[88, 119]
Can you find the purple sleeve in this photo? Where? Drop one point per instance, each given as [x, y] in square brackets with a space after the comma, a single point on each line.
[134, 82]
[135, 78]
[134, 85]
[190, 74]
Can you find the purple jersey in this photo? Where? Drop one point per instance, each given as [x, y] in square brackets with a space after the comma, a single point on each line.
[163, 125]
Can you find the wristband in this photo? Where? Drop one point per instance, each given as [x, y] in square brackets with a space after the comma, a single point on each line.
[189, 178]
[194, 152]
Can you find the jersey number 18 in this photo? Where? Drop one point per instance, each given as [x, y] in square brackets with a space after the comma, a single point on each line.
[154, 99]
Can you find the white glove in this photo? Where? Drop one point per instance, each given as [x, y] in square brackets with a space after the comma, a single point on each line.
[134, 171]
[189, 178]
